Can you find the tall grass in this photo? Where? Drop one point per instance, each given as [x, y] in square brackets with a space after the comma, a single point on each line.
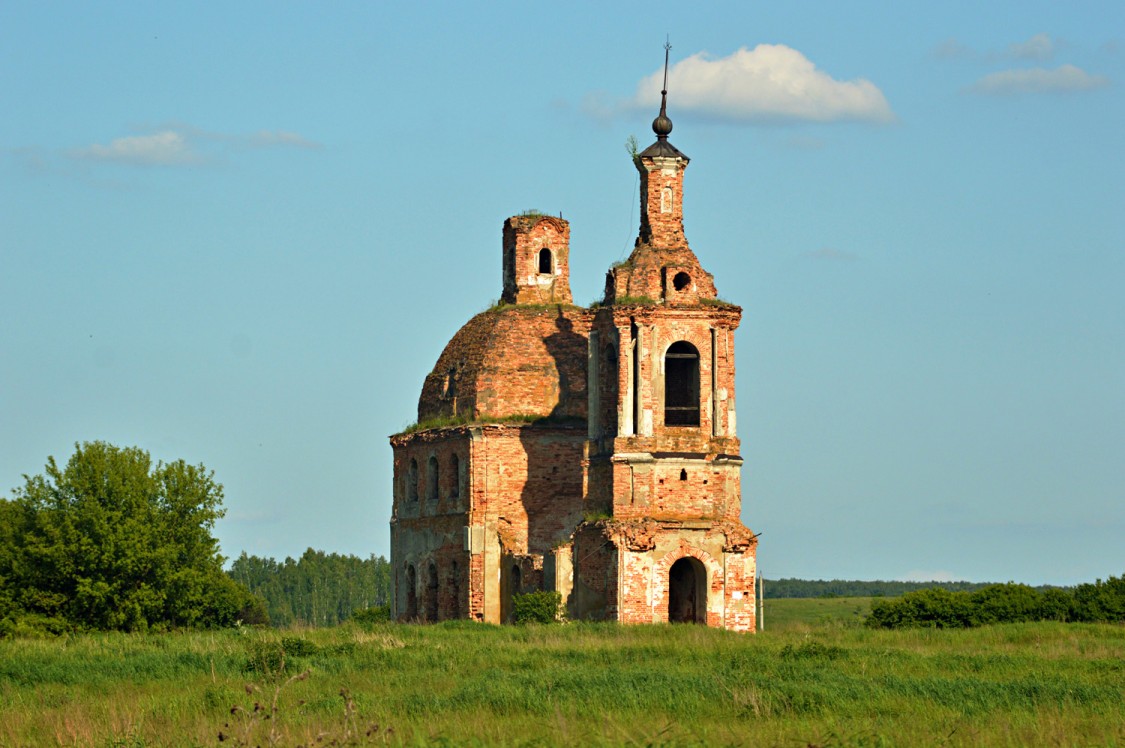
[461, 683]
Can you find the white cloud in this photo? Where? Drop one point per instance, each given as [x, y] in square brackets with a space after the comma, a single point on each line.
[164, 148]
[177, 144]
[1038, 80]
[771, 82]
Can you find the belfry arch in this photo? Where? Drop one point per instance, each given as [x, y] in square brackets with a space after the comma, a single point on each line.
[681, 385]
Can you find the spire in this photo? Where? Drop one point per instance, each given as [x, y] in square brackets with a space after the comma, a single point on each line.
[662, 126]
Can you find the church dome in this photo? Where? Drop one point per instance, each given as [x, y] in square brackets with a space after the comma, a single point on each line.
[509, 362]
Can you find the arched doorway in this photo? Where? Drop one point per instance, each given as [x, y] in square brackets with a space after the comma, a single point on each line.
[432, 593]
[454, 590]
[514, 584]
[687, 591]
[411, 593]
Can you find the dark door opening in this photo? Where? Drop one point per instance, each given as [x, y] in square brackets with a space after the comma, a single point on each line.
[687, 592]
[432, 594]
[411, 593]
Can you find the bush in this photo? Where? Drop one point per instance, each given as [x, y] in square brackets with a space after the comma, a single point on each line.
[270, 658]
[1006, 603]
[537, 607]
[1100, 602]
[376, 614]
[934, 607]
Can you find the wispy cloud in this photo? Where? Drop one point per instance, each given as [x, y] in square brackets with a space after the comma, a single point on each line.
[1039, 48]
[951, 49]
[770, 83]
[1062, 79]
[266, 138]
[180, 144]
[165, 148]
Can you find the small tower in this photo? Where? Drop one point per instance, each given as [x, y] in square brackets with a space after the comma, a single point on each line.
[662, 184]
[536, 260]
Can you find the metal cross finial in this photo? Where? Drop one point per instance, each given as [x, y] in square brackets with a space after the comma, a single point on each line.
[667, 49]
[662, 125]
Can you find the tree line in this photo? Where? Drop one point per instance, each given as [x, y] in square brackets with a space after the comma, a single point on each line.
[318, 589]
[781, 588]
[1097, 602]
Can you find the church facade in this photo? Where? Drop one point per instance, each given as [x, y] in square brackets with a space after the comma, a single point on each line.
[589, 451]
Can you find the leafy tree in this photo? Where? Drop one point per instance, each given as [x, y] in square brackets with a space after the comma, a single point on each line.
[113, 541]
[1101, 601]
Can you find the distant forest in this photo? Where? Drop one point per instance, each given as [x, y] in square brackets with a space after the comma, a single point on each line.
[774, 588]
[318, 589]
[324, 589]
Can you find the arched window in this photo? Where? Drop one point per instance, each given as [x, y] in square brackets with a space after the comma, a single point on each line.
[545, 262]
[432, 479]
[455, 469]
[411, 593]
[681, 385]
[412, 481]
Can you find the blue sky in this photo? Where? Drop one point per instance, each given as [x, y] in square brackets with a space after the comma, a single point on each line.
[242, 233]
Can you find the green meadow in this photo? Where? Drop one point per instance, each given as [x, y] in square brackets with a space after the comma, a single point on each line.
[813, 677]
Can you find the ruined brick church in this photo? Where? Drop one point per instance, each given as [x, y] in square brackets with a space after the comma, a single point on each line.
[590, 451]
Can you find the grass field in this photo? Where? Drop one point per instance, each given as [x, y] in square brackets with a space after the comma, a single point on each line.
[784, 614]
[802, 684]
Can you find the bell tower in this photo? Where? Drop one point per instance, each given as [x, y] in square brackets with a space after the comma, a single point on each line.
[664, 455]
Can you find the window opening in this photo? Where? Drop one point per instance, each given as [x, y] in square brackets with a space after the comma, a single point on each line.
[455, 468]
[683, 474]
[681, 281]
[431, 478]
[412, 481]
[545, 261]
[681, 385]
[609, 402]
